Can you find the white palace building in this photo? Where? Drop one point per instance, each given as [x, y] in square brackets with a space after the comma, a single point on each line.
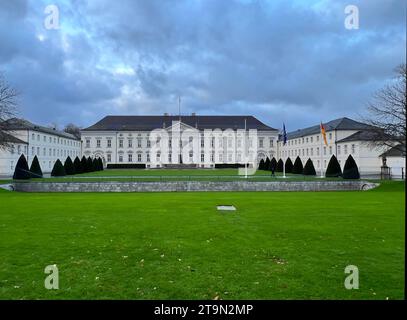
[196, 141]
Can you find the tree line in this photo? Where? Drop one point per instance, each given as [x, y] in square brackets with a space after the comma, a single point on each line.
[350, 170]
[69, 167]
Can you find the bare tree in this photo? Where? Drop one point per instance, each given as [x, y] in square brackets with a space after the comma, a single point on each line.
[387, 112]
[73, 129]
[8, 109]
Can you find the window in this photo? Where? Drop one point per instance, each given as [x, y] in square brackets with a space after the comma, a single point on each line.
[307, 151]
[318, 164]
[98, 143]
[148, 157]
[202, 157]
[138, 142]
[38, 151]
[38, 137]
[169, 143]
[121, 143]
[213, 142]
[230, 157]
[109, 143]
[202, 142]
[148, 143]
[130, 158]
[12, 165]
[239, 143]
[261, 143]
[87, 143]
[190, 139]
[330, 136]
[139, 157]
[307, 139]
[324, 151]
[19, 149]
[312, 138]
[345, 149]
[220, 157]
[109, 157]
[317, 138]
[339, 150]
[120, 158]
[272, 142]
[330, 150]
[130, 143]
[32, 151]
[45, 139]
[12, 149]
[170, 157]
[353, 148]
[312, 152]
[212, 157]
[229, 143]
[44, 152]
[158, 156]
[33, 136]
[191, 155]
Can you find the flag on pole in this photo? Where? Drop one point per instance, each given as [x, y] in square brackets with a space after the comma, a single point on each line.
[284, 135]
[323, 133]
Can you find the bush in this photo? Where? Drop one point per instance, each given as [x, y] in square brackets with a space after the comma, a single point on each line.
[267, 164]
[89, 165]
[350, 170]
[334, 168]
[69, 167]
[77, 165]
[309, 169]
[84, 164]
[273, 164]
[298, 168]
[288, 166]
[35, 168]
[280, 165]
[21, 172]
[261, 164]
[95, 164]
[100, 164]
[58, 170]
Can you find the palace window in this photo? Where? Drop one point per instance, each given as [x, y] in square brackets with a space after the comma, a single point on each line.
[148, 157]
[330, 150]
[353, 148]
[170, 157]
[158, 157]
[345, 149]
[272, 142]
[202, 157]
[130, 143]
[130, 157]
[109, 143]
[261, 143]
[330, 136]
[317, 138]
[121, 143]
[87, 143]
[148, 143]
[109, 157]
[324, 151]
[138, 143]
[339, 150]
[169, 143]
[120, 158]
[139, 157]
[98, 143]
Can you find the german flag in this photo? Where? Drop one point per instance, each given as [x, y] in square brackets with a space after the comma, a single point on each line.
[323, 133]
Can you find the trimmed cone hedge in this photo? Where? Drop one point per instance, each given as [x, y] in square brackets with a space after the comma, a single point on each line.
[21, 172]
[69, 167]
[350, 170]
[288, 166]
[78, 165]
[100, 164]
[309, 169]
[334, 168]
[261, 164]
[280, 165]
[298, 168]
[84, 164]
[58, 170]
[267, 164]
[35, 168]
[273, 164]
[89, 164]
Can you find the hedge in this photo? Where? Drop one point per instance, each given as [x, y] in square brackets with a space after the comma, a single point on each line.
[309, 169]
[350, 170]
[35, 168]
[334, 168]
[58, 170]
[21, 172]
[298, 168]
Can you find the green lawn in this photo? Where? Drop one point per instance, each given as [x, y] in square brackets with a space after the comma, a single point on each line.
[277, 245]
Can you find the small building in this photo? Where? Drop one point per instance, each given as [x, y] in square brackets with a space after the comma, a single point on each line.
[10, 153]
[395, 159]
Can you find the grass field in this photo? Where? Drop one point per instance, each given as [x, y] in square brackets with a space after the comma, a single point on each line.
[277, 245]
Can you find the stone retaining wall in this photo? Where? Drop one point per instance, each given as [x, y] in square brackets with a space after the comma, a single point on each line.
[181, 186]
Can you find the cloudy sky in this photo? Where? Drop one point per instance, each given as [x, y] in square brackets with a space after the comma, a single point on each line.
[291, 61]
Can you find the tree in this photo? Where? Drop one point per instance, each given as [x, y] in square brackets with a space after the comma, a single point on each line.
[77, 165]
[95, 164]
[35, 168]
[21, 172]
[273, 164]
[100, 164]
[84, 164]
[69, 166]
[288, 165]
[58, 170]
[261, 164]
[89, 165]
[267, 164]
[309, 169]
[280, 166]
[334, 168]
[350, 170]
[8, 109]
[298, 168]
[388, 113]
[73, 129]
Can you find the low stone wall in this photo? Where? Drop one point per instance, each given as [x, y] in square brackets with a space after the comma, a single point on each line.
[181, 186]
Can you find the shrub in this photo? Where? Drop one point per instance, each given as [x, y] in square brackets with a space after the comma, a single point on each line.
[273, 164]
[288, 166]
[261, 164]
[69, 167]
[77, 165]
[84, 165]
[267, 164]
[35, 168]
[309, 169]
[334, 168]
[280, 165]
[350, 170]
[89, 165]
[58, 170]
[100, 164]
[298, 168]
[21, 171]
[95, 164]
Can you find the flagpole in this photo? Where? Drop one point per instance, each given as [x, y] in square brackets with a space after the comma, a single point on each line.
[245, 146]
[284, 142]
[320, 129]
